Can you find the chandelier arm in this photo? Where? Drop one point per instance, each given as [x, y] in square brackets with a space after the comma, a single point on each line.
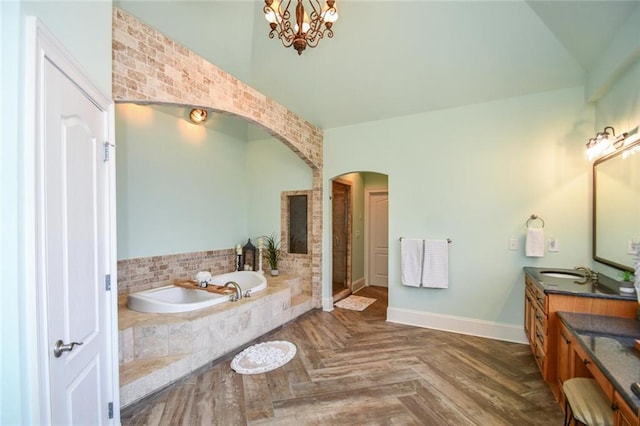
[314, 42]
[316, 26]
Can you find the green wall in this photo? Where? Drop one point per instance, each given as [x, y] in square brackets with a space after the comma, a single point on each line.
[474, 174]
[183, 187]
[271, 168]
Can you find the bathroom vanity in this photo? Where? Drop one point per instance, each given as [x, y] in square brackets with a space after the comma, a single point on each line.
[602, 347]
[551, 290]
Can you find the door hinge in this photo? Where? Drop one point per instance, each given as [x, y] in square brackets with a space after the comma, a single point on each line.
[110, 409]
[107, 282]
[107, 147]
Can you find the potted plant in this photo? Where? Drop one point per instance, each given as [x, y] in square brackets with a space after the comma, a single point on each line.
[272, 249]
[627, 276]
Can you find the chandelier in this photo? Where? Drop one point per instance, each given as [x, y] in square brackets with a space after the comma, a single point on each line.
[307, 29]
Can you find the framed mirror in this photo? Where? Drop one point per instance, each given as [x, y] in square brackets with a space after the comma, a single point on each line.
[616, 207]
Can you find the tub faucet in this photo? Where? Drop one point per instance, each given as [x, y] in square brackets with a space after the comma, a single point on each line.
[589, 275]
[236, 286]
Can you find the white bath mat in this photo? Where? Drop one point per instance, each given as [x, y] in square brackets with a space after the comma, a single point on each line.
[355, 303]
[263, 357]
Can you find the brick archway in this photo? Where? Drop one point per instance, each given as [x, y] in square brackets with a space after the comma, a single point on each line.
[149, 67]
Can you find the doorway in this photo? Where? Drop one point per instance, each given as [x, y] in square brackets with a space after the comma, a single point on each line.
[341, 239]
[73, 253]
[377, 217]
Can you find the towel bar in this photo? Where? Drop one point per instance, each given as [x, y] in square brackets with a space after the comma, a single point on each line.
[448, 239]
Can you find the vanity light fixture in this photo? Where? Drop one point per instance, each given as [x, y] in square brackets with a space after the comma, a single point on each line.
[198, 116]
[305, 29]
[604, 143]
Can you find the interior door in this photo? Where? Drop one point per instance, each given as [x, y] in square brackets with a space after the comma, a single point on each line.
[74, 211]
[378, 239]
[340, 197]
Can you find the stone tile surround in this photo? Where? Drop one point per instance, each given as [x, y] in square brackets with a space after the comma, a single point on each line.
[143, 273]
[150, 272]
[149, 67]
[155, 350]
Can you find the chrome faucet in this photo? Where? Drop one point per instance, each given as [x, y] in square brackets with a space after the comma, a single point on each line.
[589, 275]
[236, 286]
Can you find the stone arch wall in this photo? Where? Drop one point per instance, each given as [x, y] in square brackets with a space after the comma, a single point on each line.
[149, 67]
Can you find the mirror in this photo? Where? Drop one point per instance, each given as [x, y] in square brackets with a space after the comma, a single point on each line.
[616, 207]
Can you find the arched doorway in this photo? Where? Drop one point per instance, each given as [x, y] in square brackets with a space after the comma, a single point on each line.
[359, 232]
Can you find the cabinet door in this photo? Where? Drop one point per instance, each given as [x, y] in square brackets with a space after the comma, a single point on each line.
[624, 416]
[528, 313]
[565, 355]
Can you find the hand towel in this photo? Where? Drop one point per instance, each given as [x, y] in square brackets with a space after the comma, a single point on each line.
[535, 242]
[411, 253]
[435, 269]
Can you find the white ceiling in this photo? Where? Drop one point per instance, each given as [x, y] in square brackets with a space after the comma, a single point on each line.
[393, 58]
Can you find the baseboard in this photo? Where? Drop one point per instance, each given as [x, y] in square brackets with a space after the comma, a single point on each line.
[462, 325]
[357, 285]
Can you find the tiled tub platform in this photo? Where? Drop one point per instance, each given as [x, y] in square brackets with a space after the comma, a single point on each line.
[158, 349]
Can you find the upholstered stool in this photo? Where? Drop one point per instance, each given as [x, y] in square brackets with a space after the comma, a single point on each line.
[587, 402]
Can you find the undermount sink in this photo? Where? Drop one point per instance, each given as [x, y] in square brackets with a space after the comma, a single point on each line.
[562, 274]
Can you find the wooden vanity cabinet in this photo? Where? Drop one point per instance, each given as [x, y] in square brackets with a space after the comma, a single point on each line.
[536, 324]
[542, 326]
[566, 358]
[585, 367]
[573, 361]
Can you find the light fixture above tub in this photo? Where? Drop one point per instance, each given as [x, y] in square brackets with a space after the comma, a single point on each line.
[303, 29]
[604, 143]
[198, 116]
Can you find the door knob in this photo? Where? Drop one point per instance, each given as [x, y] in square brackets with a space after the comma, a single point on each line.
[60, 347]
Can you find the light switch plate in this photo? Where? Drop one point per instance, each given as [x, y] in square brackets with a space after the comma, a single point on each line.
[513, 244]
[554, 244]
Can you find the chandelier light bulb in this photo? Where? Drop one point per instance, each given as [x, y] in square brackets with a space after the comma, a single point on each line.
[330, 15]
[272, 13]
[305, 27]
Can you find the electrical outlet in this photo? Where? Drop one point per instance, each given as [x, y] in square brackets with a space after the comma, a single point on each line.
[554, 244]
[513, 244]
[631, 246]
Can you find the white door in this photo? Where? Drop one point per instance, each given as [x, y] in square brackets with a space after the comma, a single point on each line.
[378, 239]
[74, 215]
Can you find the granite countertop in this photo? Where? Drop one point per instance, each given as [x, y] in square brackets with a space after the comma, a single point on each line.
[605, 287]
[610, 342]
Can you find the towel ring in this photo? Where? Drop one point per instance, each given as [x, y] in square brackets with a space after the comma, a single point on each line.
[532, 218]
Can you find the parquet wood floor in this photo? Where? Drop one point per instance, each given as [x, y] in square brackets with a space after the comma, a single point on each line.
[355, 368]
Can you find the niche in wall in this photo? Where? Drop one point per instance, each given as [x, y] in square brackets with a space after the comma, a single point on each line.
[296, 221]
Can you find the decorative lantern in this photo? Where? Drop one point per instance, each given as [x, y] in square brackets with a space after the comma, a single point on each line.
[249, 256]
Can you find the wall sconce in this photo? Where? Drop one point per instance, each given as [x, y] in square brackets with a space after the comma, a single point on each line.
[198, 116]
[604, 143]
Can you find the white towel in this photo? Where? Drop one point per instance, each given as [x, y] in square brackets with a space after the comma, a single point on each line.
[535, 242]
[411, 254]
[435, 270]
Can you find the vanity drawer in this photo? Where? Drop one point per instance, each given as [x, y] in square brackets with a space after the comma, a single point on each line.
[541, 357]
[542, 322]
[584, 361]
[539, 297]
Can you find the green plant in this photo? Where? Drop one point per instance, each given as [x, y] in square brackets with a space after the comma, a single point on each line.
[626, 276]
[272, 250]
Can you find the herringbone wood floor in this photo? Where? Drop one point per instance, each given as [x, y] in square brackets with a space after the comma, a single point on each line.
[354, 368]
